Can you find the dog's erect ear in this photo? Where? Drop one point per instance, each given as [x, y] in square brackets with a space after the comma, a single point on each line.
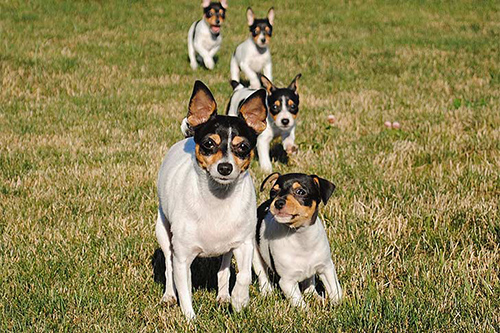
[202, 105]
[205, 3]
[254, 111]
[270, 16]
[270, 87]
[223, 3]
[250, 16]
[295, 84]
[325, 187]
[270, 179]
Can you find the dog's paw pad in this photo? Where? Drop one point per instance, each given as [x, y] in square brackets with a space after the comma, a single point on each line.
[223, 299]
[168, 300]
[293, 149]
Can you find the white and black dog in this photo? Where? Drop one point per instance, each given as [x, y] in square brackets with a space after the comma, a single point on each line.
[291, 239]
[207, 204]
[253, 55]
[283, 105]
[204, 36]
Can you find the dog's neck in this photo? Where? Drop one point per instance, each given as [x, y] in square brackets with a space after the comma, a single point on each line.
[261, 50]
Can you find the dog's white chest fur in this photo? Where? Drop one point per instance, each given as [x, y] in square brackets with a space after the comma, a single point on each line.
[296, 254]
[210, 221]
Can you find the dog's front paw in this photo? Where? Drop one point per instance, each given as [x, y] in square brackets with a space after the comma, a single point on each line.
[168, 300]
[239, 298]
[266, 289]
[194, 65]
[255, 84]
[223, 299]
[209, 63]
[266, 167]
[292, 149]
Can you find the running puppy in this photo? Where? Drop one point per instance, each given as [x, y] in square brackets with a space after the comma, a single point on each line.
[291, 239]
[207, 204]
[283, 104]
[204, 37]
[253, 55]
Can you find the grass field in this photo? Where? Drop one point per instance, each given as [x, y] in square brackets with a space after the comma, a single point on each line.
[91, 97]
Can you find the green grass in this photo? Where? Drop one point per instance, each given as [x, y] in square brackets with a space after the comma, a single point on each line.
[92, 94]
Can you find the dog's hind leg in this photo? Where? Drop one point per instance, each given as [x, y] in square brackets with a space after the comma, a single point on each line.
[260, 268]
[163, 235]
[223, 278]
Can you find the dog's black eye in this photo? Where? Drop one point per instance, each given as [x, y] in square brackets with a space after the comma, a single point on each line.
[274, 107]
[300, 192]
[274, 193]
[208, 144]
[209, 14]
[244, 147]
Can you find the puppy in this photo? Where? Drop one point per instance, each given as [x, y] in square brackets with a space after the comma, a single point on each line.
[207, 204]
[204, 37]
[291, 239]
[253, 55]
[283, 105]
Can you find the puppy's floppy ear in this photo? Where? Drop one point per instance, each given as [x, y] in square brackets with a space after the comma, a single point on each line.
[295, 84]
[325, 187]
[250, 16]
[223, 3]
[270, 87]
[270, 179]
[205, 3]
[270, 16]
[202, 105]
[254, 111]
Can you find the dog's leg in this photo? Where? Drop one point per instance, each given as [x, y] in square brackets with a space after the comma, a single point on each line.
[289, 142]
[309, 286]
[260, 268]
[163, 236]
[182, 274]
[235, 69]
[191, 51]
[268, 71]
[243, 255]
[263, 142]
[332, 286]
[223, 278]
[251, 75]
[207, 58]
[292, 292]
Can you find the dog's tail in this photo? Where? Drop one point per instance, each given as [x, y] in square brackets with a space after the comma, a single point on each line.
[158, 263]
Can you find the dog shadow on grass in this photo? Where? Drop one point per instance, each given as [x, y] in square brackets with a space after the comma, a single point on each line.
[203, 272]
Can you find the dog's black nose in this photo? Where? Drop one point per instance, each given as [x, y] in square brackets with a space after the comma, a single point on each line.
[225, 169]
[285, 121]
[262, 40]
[217, 21]
[280, 203]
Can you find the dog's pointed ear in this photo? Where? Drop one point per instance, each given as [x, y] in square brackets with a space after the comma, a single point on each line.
[294, 85]
[205, 3]
[250, 16]
[325, 187]
[223, 3]
[254, 111]
[266, 83]
[270, 16]
[202, 105]
[269, 179]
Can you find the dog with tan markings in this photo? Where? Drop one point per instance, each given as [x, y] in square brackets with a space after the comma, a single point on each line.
[207, 204]
[291, 239]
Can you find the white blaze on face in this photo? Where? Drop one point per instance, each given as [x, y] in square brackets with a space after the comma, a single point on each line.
[284, 114]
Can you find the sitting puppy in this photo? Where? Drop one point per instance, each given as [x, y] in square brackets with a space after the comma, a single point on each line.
[291, 239]
[253, 55]
[283, 104]
[204, 37]
[207, 204]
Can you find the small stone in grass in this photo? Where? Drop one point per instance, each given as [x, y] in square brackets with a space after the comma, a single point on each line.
[331, 119]
[388, 124]
[396, 125]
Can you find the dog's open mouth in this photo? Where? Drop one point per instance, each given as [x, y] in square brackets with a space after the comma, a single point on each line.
[284, 218]
[215, 29]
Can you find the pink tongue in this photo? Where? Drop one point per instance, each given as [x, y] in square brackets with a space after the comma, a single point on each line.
[215, 29]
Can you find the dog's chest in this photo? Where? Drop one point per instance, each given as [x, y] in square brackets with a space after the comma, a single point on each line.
[257, 61]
